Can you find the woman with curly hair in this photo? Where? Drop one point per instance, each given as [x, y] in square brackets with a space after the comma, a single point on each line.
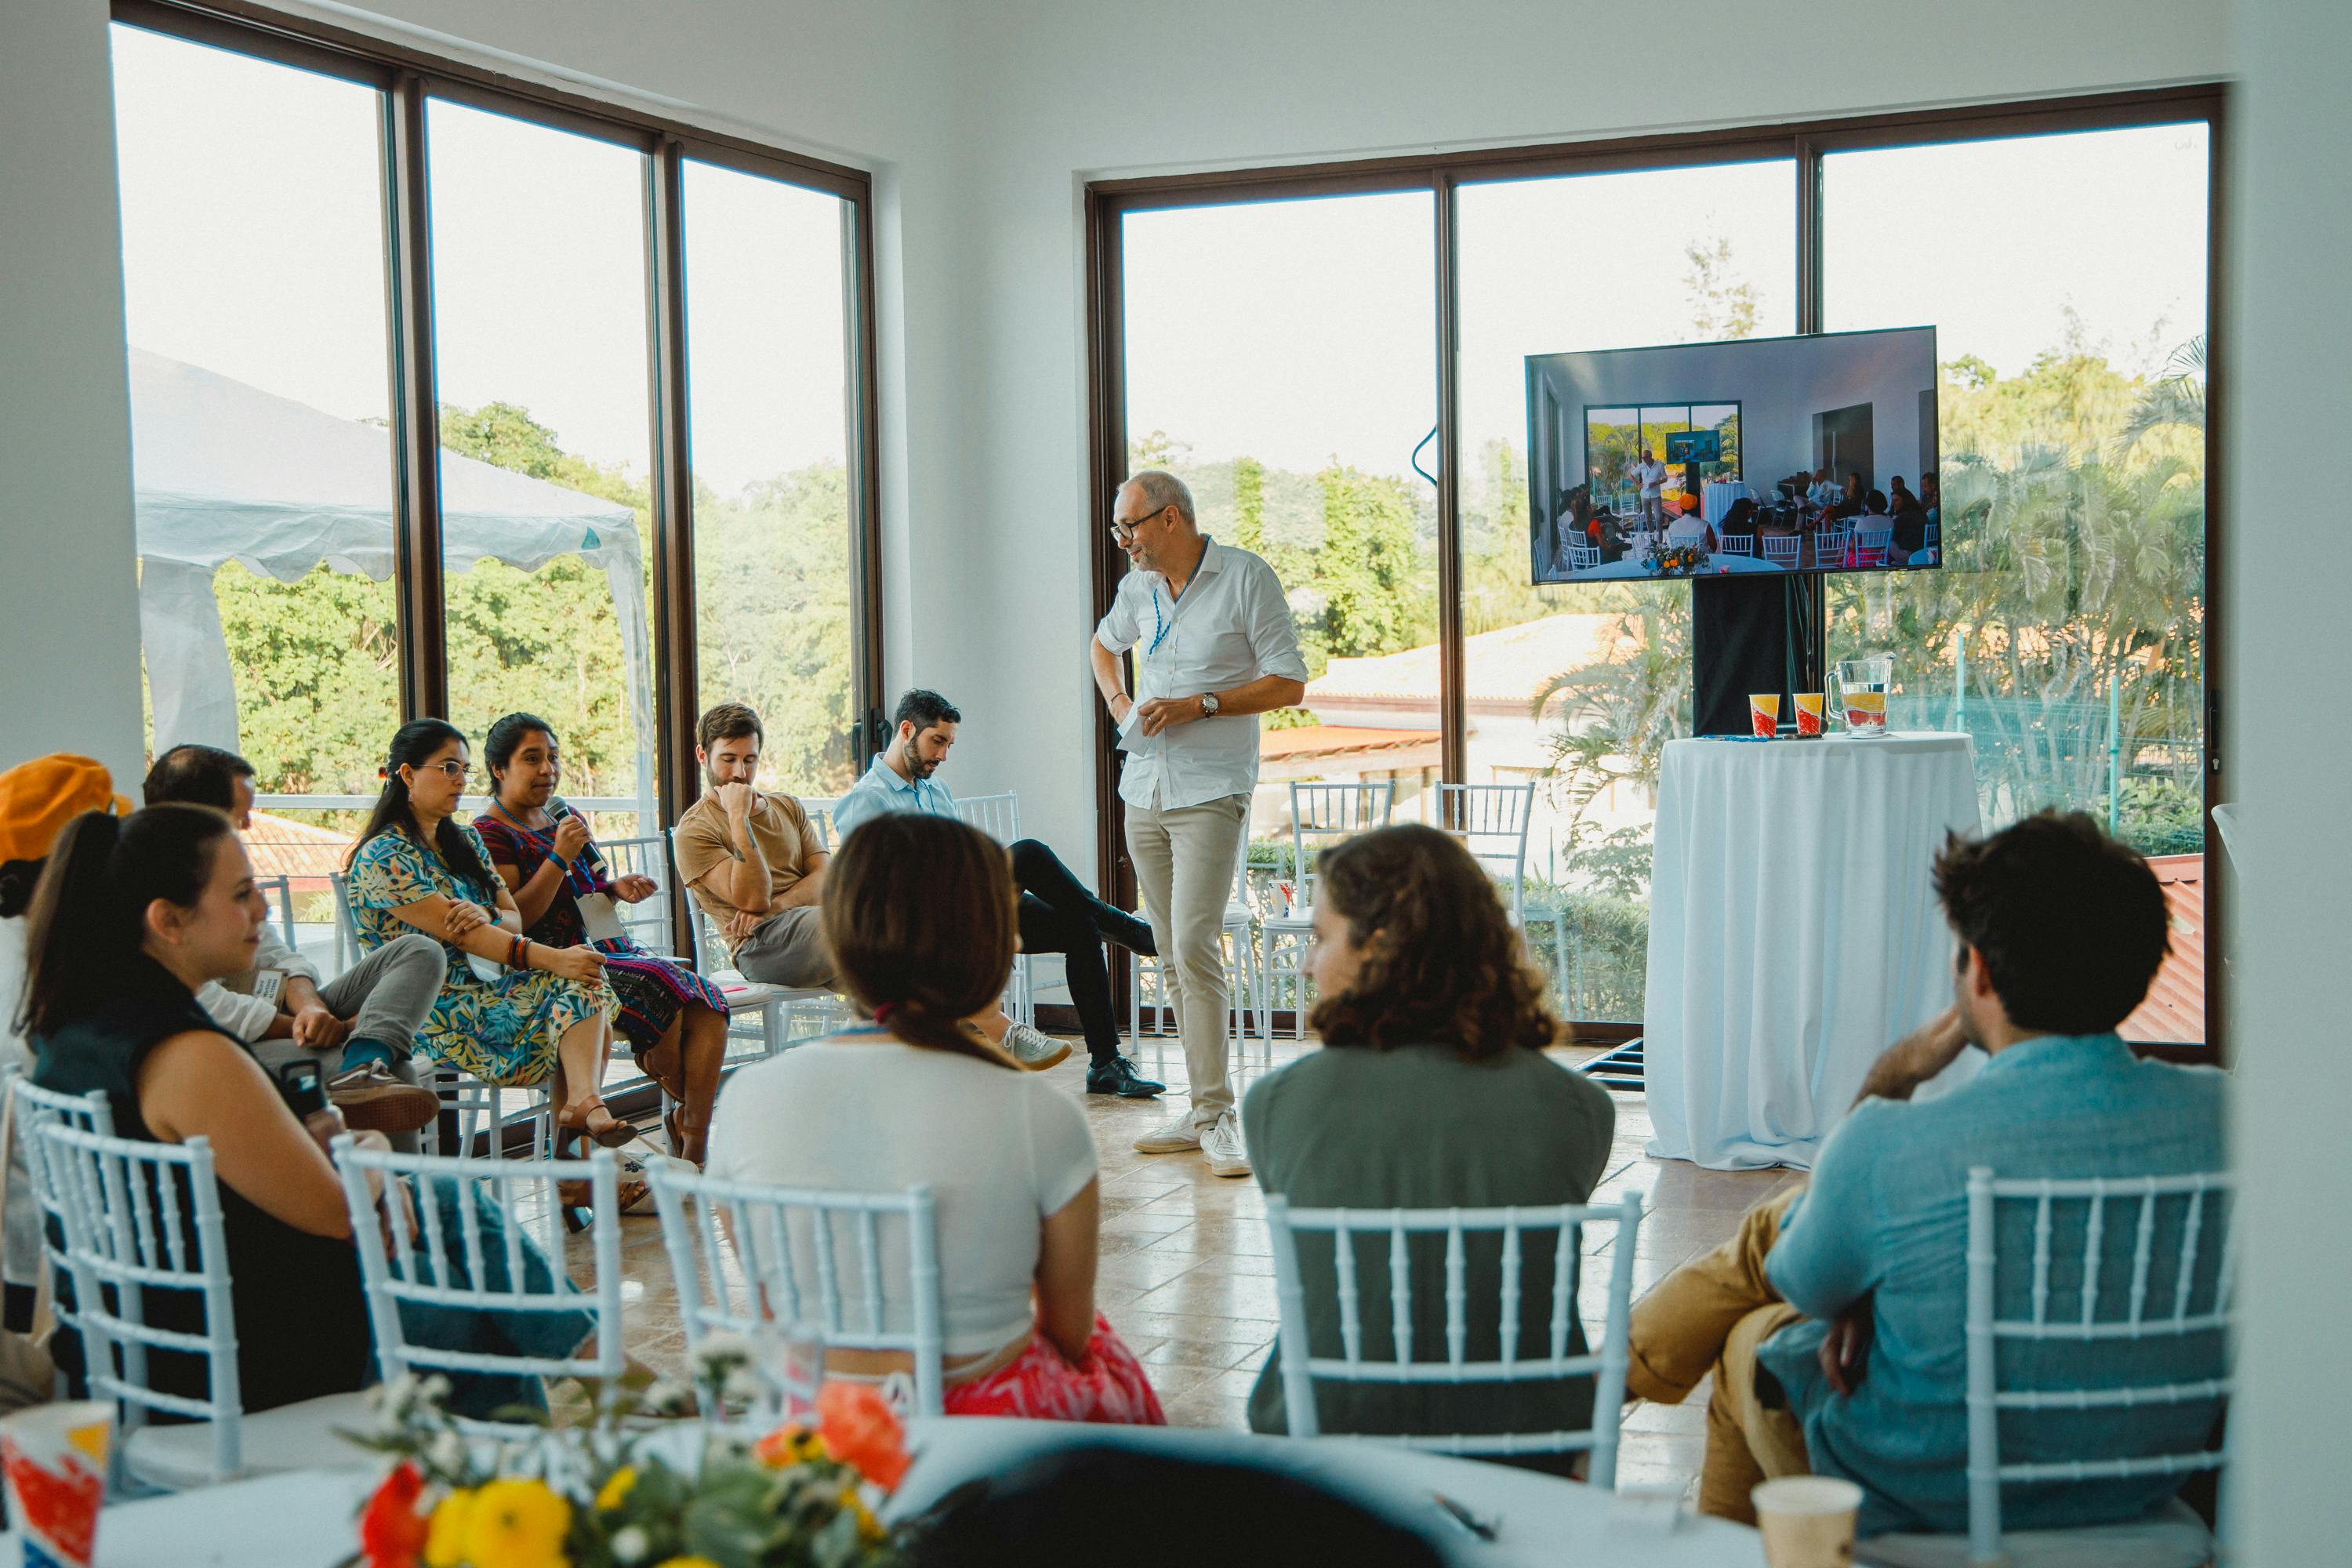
[1432, 1090]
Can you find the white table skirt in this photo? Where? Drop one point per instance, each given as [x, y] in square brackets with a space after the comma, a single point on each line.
[1794, 932]
[1717, 498]
[307, 1520]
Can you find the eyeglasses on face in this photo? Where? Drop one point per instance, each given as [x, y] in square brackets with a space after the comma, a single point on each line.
[1125, 532]
[451, 768]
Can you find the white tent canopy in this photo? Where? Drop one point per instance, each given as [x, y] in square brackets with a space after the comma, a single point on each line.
[225, 471]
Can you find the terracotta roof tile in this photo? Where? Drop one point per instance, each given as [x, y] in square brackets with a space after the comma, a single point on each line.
[2175, 1008]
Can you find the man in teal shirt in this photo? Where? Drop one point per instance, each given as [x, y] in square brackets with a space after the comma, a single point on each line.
[1057, 914]
[1833, 1323]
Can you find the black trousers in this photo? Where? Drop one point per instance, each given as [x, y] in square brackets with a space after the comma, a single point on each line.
[1059, 915]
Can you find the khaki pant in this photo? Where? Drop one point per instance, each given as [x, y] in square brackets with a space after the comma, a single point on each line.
[1710, 1316]
[786, 949]
[1184, 862]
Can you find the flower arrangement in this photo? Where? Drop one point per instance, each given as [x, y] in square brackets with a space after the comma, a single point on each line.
[602, 1496]
[1664, 560]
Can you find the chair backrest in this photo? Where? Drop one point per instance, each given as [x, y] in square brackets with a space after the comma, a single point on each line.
[1736, 545]
[143, 1224]
[1404, 1362]
[1871, 544]
[2182, 1241]
[279, 891]
[819, 810]
[347, 926]
[36, 1108]
[998, 816]
[466, 1270]
[1491, 820]
[1583, 557]
[1322, 814]
[648, 923]
[1781, 549]
[799, 1269]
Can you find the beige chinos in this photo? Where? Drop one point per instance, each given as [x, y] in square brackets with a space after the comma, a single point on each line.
[1183, 862]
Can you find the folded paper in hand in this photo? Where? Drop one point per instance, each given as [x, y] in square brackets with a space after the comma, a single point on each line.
[1131, 737]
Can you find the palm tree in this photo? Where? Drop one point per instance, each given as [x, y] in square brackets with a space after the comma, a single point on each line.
[2176, 401]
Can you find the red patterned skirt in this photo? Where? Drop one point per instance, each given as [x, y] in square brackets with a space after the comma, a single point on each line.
[1108, 1387]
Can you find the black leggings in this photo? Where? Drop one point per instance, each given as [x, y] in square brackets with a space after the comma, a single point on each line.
[1059, 915]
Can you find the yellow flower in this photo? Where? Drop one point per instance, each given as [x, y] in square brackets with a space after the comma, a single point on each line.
[516, 1524]
[869, 1525]
[444, 1542]
[616, 1488]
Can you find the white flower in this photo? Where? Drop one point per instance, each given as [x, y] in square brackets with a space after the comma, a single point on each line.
[743, 1383]
[629, 1544]
[720, 1351]
[446, 1453]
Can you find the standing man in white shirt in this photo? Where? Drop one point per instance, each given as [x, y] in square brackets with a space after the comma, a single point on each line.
[1650, 475]
[1214, 647]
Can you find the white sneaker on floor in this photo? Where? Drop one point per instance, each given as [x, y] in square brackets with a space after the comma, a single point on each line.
[1033, 1049]
[1222, 1144]
[1177, 1135]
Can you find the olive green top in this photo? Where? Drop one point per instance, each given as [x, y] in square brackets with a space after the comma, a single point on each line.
[1419, 1128]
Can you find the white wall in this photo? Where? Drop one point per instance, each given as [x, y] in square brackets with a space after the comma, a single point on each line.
[68, 609]
[2290, 756]
[1078, 89]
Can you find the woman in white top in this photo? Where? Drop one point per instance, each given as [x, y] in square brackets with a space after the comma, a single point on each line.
[919, 914]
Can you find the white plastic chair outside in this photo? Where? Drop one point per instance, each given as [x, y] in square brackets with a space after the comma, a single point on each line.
[1783, 549]
[1736, 545]
[1403, 1363]
[36, 1108]
[1322, 814]
[775, 1007]
[1871, 545]
[418, 1269]
[1492, 820]
[1583, 557]
[705, 1220]
[648, 923]
[1245, 993]
[999, 817]
[2179, 1287]
[279, 891]
[143, 1220]
[479, 1105]
[819, 810]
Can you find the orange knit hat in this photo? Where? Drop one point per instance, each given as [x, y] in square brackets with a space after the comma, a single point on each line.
[39, 797]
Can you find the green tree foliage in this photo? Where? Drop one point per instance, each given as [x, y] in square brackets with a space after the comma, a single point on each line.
[774, 620]
[1374, 598]
[318, 674]
[1723, 304]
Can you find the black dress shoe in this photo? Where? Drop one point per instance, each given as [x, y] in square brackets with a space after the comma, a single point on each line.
[1132, 933]
[1118, 1077]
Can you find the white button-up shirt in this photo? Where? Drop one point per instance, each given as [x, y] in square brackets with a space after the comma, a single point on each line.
[1231, 626]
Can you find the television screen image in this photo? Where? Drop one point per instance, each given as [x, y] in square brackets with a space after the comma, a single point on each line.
[1805, 454]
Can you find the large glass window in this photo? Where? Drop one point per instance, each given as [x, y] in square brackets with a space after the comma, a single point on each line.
[2066, 631]
[1281, 360]
[254, 278]
[539, 270]
[765, 264]
[1578, 689]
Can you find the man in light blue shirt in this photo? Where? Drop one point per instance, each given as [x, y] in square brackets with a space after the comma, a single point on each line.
[1058, 913]
[1833, 1323]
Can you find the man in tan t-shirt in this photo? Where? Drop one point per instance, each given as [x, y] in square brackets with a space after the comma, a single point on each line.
[750, 858]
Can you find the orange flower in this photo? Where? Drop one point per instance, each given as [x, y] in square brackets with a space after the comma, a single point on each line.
[862, 1430]
[791, 1444]
[392, 1534]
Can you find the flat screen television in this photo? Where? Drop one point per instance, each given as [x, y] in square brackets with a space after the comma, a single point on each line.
[1805, 454]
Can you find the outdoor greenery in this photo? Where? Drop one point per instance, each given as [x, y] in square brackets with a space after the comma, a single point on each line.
[317, 660]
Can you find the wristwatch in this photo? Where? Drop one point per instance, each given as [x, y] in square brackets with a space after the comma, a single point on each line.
[1208, 705]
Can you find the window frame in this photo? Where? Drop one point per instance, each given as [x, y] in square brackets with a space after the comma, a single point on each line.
[1806, 142]
[407, 78]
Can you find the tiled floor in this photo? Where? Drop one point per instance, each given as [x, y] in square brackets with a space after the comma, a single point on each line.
[1187, 1280]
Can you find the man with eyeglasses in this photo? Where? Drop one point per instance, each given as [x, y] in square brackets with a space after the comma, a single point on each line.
[1214, 647]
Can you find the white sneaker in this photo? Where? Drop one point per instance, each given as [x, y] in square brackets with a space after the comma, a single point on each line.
[1176, 1135]
[1033, 1049]
[1222, 1144]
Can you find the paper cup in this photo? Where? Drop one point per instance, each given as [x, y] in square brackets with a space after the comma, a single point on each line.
[1764, 712]
[1808, 712]
[54, 1457]
[1807, 1520]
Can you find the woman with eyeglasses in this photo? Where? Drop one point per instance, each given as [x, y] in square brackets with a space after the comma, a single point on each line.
[512, 1011]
